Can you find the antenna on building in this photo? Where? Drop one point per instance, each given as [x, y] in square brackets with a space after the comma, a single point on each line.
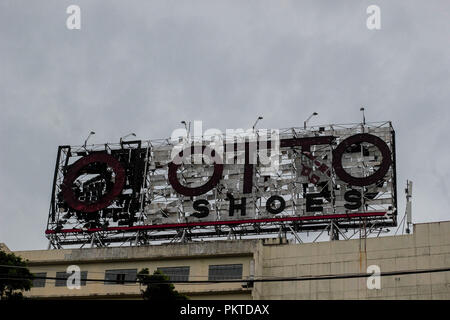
[408, 212]
[407, 218]
[188, 130]
[364, 117]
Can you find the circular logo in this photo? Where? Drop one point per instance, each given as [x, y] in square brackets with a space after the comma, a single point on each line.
[356, 139]
[80, 167]
[196, 191]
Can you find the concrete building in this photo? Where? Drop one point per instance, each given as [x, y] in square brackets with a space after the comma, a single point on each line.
[428, 247]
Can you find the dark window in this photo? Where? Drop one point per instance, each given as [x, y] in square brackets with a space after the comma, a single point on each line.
[39, 283]
[62, 277]
[225, 272]
[176, 273]
[121, 276]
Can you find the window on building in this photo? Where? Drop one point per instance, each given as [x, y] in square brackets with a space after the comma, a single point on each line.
[62, 277]
[176, 273]
[225, 272]
[40, 282]
[121, 276]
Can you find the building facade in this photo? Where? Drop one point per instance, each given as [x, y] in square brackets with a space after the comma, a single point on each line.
[428, 247]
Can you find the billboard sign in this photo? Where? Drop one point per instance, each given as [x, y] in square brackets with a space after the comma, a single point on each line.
[251, 178]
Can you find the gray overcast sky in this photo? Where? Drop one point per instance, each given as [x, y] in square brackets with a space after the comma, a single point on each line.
[143, 66]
